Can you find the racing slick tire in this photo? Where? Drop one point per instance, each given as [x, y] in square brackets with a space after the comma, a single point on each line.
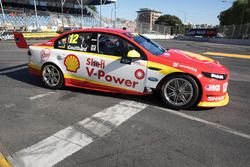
[180, 91]
[52, 76]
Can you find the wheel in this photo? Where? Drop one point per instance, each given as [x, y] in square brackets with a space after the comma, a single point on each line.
[52, 76]
[180, 91]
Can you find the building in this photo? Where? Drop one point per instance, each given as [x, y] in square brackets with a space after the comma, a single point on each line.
[149, 16]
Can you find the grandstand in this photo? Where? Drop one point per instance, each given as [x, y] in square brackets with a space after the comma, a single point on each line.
[46, 15]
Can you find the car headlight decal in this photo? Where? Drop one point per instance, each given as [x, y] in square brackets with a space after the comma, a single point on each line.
[215, 76]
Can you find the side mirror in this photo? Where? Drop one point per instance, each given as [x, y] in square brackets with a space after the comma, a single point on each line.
[133, 54]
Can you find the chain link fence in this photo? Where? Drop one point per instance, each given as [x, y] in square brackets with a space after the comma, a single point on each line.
[231, 31]
[146, 28]
[235, 31]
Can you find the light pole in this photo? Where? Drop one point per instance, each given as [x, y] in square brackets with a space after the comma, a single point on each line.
[115, 14]
[62, 4]
[4, 19]
[185, 16]
[82, 13]
[36, 14]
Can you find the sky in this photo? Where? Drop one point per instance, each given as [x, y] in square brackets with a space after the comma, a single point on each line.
[195, 11]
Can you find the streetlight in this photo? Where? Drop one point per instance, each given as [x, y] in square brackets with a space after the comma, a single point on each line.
[185, 15]
[36, 14]
[4, 19]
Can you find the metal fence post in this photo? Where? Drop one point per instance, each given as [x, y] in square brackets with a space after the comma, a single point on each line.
[247, 35]
[233, 31]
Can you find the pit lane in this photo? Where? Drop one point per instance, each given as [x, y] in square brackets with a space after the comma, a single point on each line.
[152, 137]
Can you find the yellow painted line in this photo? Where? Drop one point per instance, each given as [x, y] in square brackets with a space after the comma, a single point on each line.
[4, 162]
[227, 55]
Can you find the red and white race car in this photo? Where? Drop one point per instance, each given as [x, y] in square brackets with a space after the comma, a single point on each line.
[119, 61]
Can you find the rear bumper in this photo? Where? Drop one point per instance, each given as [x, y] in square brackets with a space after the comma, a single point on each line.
[34, 69]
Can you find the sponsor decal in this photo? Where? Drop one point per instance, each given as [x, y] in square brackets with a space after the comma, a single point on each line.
[215, 98]
[45, 54]
[166, 54]
[139, 74]
[102, 75]
[6, 35]
[217, 76]
[77, 48]
[153, 79]
[175, 64]
[184, 66]
[140, 63]
[72, 63]
[93, 48]
[96, 63]
[225, 85]
[213, 88]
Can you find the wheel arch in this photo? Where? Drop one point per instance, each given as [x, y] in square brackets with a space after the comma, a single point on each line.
[181, 73]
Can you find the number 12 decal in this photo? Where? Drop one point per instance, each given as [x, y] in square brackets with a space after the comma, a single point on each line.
[73, 38]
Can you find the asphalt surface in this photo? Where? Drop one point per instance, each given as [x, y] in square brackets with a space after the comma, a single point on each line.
[155, 136]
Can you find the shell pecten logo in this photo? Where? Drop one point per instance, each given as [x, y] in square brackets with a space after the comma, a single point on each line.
[72, 63]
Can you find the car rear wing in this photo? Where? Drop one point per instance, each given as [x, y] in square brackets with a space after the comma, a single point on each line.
[20, 40]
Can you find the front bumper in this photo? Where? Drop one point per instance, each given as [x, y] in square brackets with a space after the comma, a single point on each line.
[221, 103]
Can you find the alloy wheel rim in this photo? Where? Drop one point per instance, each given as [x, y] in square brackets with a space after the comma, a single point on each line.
[51, 75]
[178, 91]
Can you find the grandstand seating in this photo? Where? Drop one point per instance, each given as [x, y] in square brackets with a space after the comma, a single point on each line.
[51, 21]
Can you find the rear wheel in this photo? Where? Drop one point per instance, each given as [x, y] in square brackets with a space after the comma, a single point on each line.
[180, 91]
[52, 76]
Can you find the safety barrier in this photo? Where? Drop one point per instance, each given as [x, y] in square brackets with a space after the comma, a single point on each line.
[244, 42]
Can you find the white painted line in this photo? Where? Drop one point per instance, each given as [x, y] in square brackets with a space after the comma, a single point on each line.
[41, 95]
[64, 143]
[217, 126]
[9, 105]
[13, 70]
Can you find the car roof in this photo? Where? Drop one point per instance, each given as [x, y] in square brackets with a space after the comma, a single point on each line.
[112, 30]
[103, 30]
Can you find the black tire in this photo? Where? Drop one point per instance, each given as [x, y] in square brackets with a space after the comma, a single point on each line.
[180, 91]
[52, 76]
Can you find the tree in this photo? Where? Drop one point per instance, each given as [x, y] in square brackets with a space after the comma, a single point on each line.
[238, 14]
[168, 20]
[93, 8]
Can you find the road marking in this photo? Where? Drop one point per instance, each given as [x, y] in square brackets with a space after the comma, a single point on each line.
[217, 126]
[227, 55]
[9, 105]
[13, 70]
[40, 96]
[64, 143]
[4, 162]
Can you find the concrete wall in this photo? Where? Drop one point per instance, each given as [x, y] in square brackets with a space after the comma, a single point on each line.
[245, 42]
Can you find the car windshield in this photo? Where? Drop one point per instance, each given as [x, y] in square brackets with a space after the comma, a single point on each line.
[149, 45]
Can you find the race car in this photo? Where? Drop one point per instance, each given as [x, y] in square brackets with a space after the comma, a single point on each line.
[118, 61]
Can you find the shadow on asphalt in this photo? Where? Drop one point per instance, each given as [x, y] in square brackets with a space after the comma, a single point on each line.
[24, 76]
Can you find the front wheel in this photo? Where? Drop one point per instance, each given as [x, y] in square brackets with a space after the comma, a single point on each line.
[180, 91]
[52, 76]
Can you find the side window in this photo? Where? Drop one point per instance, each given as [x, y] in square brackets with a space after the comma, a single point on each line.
[113, 45]
[61, 42]
[116, 46]
[86, 42]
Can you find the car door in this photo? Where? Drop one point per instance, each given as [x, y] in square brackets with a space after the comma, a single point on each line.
[72, 52]
[113, 68]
